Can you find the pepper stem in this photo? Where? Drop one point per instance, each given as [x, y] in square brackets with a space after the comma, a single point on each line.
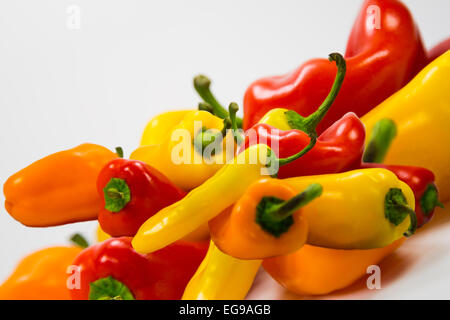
[79, 240]
[275, 215]
[233, 109]
[116, 194]
[203, 106]
[396, 210]
[383, 133]
[119, 151]
[430, 199]
[206, 136]
[202, 85]
[109, 288]
[309, 124]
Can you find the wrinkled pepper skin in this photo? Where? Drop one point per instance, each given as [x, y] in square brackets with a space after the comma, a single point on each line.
[41, 275]
[379, 62]
[338, 148]
[420, 180]
[221, 277]
[193, 170]
[158, 127]
[58, 189]
[203, 203]
[149, 190]
[237, 233]
[350, 213]
[160, 275]
[421, 112]
[318, 271]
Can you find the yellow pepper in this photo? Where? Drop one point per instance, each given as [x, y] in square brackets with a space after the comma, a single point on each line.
[421, 111]
[203, 203]
[179, 158]
[221, 277]
[360, 209]
[157, 128]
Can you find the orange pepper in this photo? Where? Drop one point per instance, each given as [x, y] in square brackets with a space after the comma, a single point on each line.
[316, 271]
[58, 189]
[41, 276]
[265, 222]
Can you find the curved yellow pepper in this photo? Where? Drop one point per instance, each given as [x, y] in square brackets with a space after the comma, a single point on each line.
[204, 202]
[221, 277]
[190, 169]
[350, 213]
[158, 127]
[421, 111]
[277, 119]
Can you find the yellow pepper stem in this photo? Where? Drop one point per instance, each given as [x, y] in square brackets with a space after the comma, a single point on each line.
[396, 210]
[383, 133]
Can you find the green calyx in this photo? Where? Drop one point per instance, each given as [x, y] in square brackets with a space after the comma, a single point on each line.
[109, 289]
[116, 194]
[207, 137]
[430, 200]
[310, 123]
[79, 240]
[202, 85]
[396, 210]
[274, 215]
[383, 133]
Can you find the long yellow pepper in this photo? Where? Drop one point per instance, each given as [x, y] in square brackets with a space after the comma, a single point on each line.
[158, 127]
[351, 213]
[204, 202]
[421, 111]
[221, 277]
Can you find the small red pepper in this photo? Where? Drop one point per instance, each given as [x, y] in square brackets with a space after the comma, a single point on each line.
[113, 270]
[420, 180]
[383, 53]
[131, 192]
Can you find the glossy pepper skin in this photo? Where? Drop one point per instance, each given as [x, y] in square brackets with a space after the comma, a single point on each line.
[421, 182]
[204, 202]
[353, 210]
[41, 275]
[58, 189]
[160, 275]
[379, 62]
[221, 277]
[159, 126]
[421, 112]
[190, 168]
[249, 229]
[338, 148]
[317, 271]
[131, 192]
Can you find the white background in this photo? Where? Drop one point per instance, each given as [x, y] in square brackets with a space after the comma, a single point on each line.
[133, 59]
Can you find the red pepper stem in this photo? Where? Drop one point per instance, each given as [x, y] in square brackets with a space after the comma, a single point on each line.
[283, 210]
[383, 132]
[283, 161]
[206, 137]
[202, 85]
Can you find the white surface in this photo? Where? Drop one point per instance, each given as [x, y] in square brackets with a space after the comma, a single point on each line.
[133, 59]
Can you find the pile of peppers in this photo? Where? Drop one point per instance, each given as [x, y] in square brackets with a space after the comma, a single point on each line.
[351, 155]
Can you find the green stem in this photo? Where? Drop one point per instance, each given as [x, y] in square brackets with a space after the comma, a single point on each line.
[109, 288]
[430, 199]
[383, 133]
[116, 194]
[309, 124]
[202, 85]
[233, 109]
[119, 152]
[79, 240]
[396, 210]
[203, 106]
[206, 136]
[275, 215]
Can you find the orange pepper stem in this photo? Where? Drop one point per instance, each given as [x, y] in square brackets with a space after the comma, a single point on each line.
[310, 123]
[79, 240]
[383, 132]
[119, 151]
[396, 210]
[275, 215]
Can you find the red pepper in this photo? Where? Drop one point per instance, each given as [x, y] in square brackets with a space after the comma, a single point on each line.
[438, 50]
[131, 192]
[338, 149]
[113, 270]
[380, 60]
